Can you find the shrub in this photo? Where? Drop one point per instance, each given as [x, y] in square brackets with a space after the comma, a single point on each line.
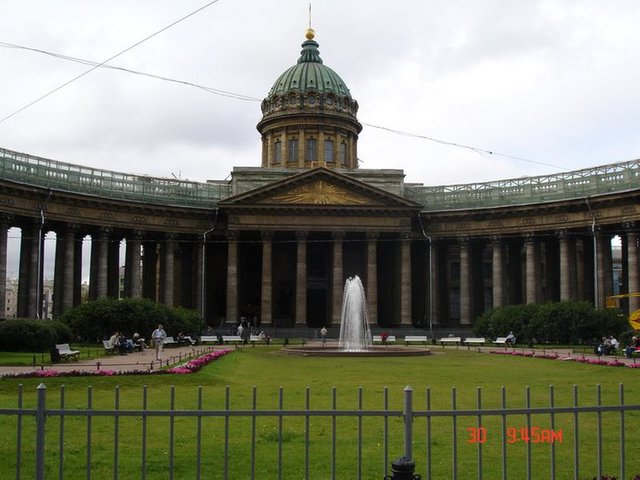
[97, 320]
[26, 335]
[560, 322]
[64, 333]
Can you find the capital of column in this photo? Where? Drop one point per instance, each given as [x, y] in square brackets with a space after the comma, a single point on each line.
[629, 226]
[496, 240]
[136, 235]
[103, 233]
[267, 235]
[463, 241]
[562, 234]
[233, 235]
[302, 236]
[338, 235]
[6, 219]
[529, 238]
[372, 235]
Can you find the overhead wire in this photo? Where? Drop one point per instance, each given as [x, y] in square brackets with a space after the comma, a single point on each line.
[122, 52]
[238, 96]
[216, 91]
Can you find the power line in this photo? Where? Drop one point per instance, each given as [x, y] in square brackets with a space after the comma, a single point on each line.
[239, 96]
[77, 77]
[459, 145]
[83, 61]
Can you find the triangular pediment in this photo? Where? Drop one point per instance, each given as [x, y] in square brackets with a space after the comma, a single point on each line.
[319, 187]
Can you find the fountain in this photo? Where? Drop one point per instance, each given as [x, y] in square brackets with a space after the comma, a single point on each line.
[355, 335]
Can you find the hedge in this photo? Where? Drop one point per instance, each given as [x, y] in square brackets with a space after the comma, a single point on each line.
[27, 335]
[97, 320]
[560, 322]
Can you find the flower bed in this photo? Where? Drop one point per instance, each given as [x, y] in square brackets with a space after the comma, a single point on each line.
[191, 366]
[554, 356]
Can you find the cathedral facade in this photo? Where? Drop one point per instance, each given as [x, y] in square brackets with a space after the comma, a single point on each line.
[277, 242]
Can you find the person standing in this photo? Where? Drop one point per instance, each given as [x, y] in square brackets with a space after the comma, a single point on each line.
[158, 337]
[323, 335]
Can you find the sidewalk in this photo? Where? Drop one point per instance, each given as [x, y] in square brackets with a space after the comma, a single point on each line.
[145, 360]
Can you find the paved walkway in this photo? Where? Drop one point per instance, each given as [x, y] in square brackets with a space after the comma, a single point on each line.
[145, 360]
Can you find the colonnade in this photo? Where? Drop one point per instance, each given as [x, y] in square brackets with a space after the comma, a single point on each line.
[408, 280]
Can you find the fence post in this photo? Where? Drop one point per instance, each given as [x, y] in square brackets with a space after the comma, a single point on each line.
[402, 468]
[40, 421]
[408, 422]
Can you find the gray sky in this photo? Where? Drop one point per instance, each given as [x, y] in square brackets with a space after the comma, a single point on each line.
[551, 81]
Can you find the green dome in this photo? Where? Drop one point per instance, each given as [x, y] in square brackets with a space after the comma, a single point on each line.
[310, 74]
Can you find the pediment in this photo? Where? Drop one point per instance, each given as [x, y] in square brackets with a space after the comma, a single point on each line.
[319, 187]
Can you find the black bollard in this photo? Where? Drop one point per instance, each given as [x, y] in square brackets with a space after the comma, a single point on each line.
[402, 469]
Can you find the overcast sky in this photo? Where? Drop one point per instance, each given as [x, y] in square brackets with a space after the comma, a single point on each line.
[554, 82]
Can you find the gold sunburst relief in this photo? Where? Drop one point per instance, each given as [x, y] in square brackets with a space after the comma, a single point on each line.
[320, 193]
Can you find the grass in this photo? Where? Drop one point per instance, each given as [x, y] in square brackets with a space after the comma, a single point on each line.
[267, 369]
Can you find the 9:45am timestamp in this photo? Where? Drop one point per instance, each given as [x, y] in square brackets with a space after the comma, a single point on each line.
[518, 435]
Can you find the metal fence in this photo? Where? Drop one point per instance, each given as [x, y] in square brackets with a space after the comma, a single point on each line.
[530, 441]
[43, 172]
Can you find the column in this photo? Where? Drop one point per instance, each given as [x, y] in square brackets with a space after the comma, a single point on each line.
[232, 277]
[497, 270]
[168, 257]
[199, 279]
[405, 280]
[434, 282]
[266, 294]
[68, 267]
[77, 265]
[633, 271]
[601, 241]
[4, 229]
[33, 244]
[301, 279]
[531, 269]
[132, 271]
[337, 284]
[565, 268]
[99, 257]
[372, 277]
[465, 283]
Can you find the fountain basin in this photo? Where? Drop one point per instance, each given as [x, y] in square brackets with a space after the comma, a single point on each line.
[372, 351]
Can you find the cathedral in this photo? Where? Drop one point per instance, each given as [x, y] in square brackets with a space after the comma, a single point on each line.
[277, 241]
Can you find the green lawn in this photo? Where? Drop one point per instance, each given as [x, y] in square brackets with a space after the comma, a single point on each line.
[267, 369]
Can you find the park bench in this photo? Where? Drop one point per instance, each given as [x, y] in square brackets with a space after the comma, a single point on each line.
[501, 340]
[415, 339]
[65, 351]
[474, 341]
[378, 339]
[232, 339]
[450, 341]
[108, 348]
[258, 339]
[208, 339]
[169, 342]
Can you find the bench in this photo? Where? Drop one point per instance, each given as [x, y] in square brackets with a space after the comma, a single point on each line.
[450, 341]
[169, 342]
[474, 341]
[415, 339]
[501, 340]
[65, 351]
[108, 348]
[208, 339]
[232, 339]
[378, 339]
